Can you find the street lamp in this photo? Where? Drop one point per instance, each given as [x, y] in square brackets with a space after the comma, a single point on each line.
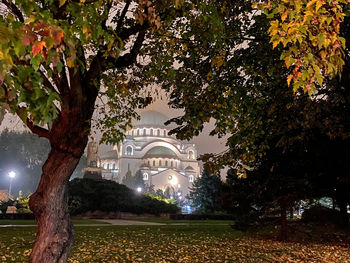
[12, 175]
[139, 189]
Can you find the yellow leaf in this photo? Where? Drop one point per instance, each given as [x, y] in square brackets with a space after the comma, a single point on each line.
[70, 62]
[62, 2]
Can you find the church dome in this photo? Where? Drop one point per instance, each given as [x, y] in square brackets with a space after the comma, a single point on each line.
[160, 152]
[151, 118]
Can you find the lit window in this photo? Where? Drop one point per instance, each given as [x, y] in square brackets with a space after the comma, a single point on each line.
[144, 132]
[151, 132]
[154, 163]
[191, 155]
[145, 176]
[166, 163]
[128, 150]
[158, 132]
[191, 178]
[105, 166]
[160, 163]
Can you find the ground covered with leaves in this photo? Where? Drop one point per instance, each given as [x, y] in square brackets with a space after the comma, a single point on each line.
[173, 243]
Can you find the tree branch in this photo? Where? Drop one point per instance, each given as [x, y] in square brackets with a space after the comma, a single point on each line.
[41, 132]
[129, 58]
[14, 9]
[122, 16]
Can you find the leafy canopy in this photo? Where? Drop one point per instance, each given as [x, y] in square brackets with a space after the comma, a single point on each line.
[309, 31]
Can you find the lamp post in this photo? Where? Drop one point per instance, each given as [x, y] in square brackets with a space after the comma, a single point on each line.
[12, 175]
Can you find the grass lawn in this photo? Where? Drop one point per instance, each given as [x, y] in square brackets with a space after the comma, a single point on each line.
[32, 222]
[172, 243]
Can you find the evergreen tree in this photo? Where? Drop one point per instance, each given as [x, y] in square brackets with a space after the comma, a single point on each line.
[205, 193]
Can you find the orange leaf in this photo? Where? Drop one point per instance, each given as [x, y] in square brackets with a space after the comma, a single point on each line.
[38, 47]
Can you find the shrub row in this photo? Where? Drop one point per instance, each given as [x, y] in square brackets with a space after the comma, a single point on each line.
[108, 196]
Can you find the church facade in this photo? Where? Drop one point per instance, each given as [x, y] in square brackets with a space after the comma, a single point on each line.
[163, 161]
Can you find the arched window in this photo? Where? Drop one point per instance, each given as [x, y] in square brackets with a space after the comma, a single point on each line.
[138, 132]
[165, 133]
[154, 163]
[171, 164]
[149, 164]
[128, 150]
[166, 163]
[145, 176]
[191, 155]
[151, 132]
[158, 132]
[160, 163]
[132, 132]
[191, 178]
[144, 132]
[107, 166]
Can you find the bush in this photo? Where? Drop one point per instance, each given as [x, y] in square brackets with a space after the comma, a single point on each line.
[322, 215]
[108, 196]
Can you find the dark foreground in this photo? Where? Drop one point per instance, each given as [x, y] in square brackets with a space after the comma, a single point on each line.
[174, 243]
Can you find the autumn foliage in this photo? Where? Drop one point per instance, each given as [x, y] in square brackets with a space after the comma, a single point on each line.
[309, 32]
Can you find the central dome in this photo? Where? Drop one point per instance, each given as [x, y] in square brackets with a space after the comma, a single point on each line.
[160, 151]
[151, 118]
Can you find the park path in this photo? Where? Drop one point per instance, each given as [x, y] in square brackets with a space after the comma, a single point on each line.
[113, 222]
[122, 222]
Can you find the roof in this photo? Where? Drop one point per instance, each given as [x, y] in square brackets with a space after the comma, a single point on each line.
[189, 168]
[109, 155]
[160, 151]
[151, 118]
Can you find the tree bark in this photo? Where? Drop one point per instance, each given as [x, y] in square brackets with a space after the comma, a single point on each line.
[54, 237]
[284, 229]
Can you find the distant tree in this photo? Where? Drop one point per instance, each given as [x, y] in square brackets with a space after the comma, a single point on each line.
[134, 181]
[205, 193]
[25, 153]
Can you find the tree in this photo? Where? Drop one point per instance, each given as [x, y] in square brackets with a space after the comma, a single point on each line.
[205, 193]
[25, 153]
[57, 57]
[134, 181]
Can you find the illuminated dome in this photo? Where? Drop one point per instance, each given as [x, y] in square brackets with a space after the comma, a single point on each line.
[151, 118]
[160, 152]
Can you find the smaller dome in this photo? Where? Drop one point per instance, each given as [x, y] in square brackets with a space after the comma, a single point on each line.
[144, 166]
[189, 168]
[160, 151]
[109, 155]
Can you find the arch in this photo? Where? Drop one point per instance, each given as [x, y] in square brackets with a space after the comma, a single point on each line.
[145, 176]
[129, 150]
[191, 178]
[154, 163]
[160, 162]
[156, 143]
[151, 132]
[191, 154]
[166, 163]
[158, 132]
[138, 132]
[171, 164]
[144, 132]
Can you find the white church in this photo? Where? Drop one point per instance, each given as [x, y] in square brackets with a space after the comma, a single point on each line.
[164, 161]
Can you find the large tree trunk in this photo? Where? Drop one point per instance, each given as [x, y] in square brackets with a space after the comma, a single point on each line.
[49, 204]
[284, 227]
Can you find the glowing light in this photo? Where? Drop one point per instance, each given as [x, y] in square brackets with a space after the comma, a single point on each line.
[173, 181]
[12, 174]
[139, 189]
